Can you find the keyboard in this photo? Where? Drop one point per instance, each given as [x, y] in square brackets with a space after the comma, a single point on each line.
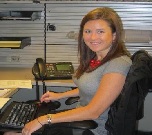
[17, 114]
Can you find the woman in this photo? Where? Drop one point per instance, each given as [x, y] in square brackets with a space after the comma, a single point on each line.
[104, 64]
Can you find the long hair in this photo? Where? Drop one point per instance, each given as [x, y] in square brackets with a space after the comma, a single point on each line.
[118, 48]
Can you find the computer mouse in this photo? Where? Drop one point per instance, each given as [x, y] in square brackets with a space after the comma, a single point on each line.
[52, 105]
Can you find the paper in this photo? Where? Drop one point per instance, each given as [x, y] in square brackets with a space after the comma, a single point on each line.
[4, 91]
[15, 84]
[3, 101]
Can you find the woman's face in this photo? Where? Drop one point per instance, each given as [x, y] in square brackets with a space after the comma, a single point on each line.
[98, 36]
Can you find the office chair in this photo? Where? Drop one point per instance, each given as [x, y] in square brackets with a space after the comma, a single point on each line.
[128, 107]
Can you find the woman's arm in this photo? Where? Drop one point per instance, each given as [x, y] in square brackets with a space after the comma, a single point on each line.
[53, 96]
[108, 90]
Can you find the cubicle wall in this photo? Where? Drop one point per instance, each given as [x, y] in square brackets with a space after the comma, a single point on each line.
[58, 24]
[66, 16]
[31, 26]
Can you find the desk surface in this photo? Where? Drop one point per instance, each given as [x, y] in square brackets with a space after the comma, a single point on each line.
[16, 73]
[26, 74]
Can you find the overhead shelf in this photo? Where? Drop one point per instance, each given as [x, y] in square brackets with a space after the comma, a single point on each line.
[20, 15]
[14, 42]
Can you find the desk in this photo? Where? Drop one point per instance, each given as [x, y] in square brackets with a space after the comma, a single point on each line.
[24, 94]
[59, 83]
[13, 73]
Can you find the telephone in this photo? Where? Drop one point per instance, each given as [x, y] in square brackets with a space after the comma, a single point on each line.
[52, 71]
[39, 69]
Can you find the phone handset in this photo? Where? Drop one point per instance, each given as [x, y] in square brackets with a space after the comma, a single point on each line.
[41, 67]
[39, 71]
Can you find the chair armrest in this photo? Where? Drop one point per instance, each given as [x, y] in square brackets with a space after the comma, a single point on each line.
[72, 100]
[86, 124]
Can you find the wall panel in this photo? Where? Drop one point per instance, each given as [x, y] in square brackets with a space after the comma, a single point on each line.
[66, 16]
[22, 27]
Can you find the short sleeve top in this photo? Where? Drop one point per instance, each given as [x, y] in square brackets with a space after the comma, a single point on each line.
[88, 83]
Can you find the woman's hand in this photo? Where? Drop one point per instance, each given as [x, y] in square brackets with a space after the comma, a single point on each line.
[50, 96]
[31, 127]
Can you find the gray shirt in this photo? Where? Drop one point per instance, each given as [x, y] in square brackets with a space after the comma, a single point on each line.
[88, 84]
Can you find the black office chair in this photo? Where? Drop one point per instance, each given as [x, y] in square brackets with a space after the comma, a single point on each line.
[128, 108]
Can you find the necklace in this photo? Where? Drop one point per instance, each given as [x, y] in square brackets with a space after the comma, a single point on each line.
[94, 63]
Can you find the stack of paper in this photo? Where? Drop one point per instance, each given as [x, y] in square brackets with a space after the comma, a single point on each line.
[3, 92]
[15, 84]
[3, 101]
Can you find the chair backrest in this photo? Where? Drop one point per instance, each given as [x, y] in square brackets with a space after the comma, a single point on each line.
[128, 107]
